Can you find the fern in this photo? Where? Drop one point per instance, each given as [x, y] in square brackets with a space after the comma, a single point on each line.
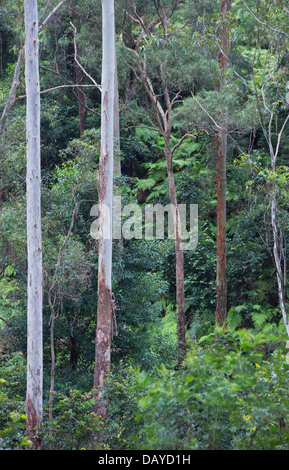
[234, 317]
[260, 316]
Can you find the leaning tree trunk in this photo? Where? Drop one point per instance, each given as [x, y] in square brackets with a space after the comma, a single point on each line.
[221, 277]
[34, 243]
[105, 194]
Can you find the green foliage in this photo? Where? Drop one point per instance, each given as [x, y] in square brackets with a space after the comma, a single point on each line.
[12, 404]
[73, 425]
[221, 400]
[232, 391]
[262, 318]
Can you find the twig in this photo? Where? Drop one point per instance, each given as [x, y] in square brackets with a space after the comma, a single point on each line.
[77, 61]
[262, 23]
[5, 321]
[12, 94]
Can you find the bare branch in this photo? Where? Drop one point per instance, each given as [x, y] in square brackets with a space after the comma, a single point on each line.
[185, 136]
[42, 26]
[262, 23]
[11, 97]
[77, 61]
[279, 137]
[5, 321]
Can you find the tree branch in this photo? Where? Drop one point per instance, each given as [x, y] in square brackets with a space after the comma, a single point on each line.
[11, 97]
[77, 61]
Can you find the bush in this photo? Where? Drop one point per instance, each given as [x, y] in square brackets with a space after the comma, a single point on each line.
[231, 394]
[73, 425]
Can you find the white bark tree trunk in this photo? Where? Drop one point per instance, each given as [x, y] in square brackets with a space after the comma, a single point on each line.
[34, 243]
[105, 195]
[116, 135]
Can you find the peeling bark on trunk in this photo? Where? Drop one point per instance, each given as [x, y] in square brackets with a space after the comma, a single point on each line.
[221, 277]
[34, 243]
[105, 193]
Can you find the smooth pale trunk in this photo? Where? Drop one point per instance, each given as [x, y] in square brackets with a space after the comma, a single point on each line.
[34, 244]
[104, 306]
[280, 283]
[180, 286]
[116, 136]
[221, 277]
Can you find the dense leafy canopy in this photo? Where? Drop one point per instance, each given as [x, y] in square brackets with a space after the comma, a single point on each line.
[232, 391]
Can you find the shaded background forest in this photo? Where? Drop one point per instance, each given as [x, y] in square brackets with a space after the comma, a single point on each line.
[233, 390]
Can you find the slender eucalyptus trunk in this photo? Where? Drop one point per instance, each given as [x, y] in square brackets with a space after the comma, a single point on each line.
[34, 243]
[52, 354]
[281, 273]
[221, 277]
[180, 287]
[116, 134]
[105, 193]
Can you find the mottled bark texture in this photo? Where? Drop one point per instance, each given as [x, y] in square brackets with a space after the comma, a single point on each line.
[105, 195]
[34, 244]
[221, 277]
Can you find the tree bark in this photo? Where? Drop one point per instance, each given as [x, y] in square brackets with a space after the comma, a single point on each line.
[163, 116]
[276, 248]
[34, 242]
[105, 194]
[180, 286]
[116, 134]
[221, 276]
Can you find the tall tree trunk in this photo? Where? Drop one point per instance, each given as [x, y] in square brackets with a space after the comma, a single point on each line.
[116, 134]
[277, 250]
[34, 243]
[104, 305]
[221, 278]
[163, 114]
[180, 287]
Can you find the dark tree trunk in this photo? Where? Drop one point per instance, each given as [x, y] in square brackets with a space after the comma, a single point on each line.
[221, 278]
